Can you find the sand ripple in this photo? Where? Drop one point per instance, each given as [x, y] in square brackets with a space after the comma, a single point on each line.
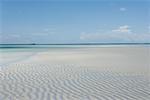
[69, 82]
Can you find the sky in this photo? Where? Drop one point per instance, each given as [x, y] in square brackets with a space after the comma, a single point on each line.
[74, 21]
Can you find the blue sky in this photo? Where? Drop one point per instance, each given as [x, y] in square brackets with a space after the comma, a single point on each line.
[81, 21]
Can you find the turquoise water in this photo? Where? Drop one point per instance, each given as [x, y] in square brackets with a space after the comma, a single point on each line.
[40, 48]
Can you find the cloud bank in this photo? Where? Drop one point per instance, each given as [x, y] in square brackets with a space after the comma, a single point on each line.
[123, 29]
[122, 33]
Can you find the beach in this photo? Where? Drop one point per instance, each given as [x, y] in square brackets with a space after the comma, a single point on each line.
[76, 73]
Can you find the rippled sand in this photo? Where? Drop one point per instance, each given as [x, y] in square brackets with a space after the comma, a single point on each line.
[110, 73]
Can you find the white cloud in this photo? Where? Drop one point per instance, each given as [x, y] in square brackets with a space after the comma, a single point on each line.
[94, 36]
[89, 36]
[44, 32]
[123, 37]
[122, 34]
[123, 29]
[123, 9]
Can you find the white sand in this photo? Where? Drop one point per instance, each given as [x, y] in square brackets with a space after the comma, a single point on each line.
[110, 73]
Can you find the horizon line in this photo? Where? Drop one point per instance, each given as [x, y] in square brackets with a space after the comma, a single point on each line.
[70, 43]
